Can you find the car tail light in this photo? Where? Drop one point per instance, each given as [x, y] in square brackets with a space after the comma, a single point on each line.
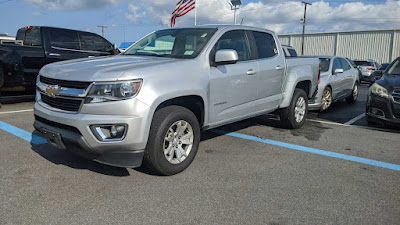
[369, 69]
[319, 73]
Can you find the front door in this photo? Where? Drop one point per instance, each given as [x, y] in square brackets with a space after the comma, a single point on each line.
[233, 88]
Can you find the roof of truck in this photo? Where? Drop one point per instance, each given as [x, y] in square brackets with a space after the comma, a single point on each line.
[221, 26]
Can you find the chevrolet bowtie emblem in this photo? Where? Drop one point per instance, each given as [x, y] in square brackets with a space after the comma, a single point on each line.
[52, 90]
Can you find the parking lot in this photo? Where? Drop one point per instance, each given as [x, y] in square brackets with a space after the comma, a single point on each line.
[334, 170]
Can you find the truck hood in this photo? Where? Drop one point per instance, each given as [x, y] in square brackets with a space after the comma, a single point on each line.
[100, 68]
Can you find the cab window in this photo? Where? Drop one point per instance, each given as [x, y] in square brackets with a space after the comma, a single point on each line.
[265, 43]
[92, 42]
[235, 40]
[30, 37]
[67, 39]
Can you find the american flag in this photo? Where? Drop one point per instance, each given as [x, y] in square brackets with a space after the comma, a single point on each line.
[181, 9]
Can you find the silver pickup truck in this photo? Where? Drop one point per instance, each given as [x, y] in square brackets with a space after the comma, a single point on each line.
[151, 103]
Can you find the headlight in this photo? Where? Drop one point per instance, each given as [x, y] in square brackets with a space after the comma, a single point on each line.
[380, 91]
[113, 91]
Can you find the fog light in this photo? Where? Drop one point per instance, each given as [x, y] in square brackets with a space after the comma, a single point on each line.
[114, 132]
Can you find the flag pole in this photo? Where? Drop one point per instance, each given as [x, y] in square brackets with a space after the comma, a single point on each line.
[195, 12]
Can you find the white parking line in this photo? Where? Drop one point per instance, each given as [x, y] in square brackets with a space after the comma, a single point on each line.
[327, 122]
[19, 111]
[355, 119]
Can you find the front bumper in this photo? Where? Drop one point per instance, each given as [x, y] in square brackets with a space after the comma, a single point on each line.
[383, 110]
[75, 133]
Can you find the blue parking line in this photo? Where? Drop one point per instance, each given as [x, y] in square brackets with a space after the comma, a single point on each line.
[312, 150]
[34, 139]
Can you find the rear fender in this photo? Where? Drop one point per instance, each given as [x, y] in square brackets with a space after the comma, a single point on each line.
[295, 76]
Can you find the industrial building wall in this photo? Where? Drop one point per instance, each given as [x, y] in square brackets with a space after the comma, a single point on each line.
[381, 46]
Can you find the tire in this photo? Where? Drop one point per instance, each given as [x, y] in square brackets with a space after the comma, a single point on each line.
[326, 99]
[173, 161]
[288, 115]
[354, 94]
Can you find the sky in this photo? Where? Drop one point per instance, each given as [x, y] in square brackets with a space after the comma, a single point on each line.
[129, 20]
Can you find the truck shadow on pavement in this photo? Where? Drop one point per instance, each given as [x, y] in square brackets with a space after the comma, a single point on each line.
[66, 158]
[311, 131]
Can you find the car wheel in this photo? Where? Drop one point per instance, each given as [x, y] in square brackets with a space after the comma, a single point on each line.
[173, 141]
[354, 94]
[294, 116]
[326, 99]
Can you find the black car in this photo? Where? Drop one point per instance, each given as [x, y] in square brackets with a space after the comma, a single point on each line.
[377, 74]
[383, 102]
[21, 60]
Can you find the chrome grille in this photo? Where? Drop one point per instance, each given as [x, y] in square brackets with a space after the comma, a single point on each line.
[66, 104]
[65, 83]
[396, 95]
[62, 94]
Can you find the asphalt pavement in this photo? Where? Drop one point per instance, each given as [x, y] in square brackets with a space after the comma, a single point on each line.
[334, 170]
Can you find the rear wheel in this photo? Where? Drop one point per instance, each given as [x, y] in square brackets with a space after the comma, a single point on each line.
[173, 141]
[294, 116]
[354, 94]
[326, 99]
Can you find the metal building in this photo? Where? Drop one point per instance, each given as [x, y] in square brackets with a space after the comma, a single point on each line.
[379, 45]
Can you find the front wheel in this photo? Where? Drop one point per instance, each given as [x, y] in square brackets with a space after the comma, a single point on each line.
[294, 116]
[173, 141]
[354, 94]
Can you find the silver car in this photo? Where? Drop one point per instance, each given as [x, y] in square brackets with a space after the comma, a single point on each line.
[367, 67]
[339, 80]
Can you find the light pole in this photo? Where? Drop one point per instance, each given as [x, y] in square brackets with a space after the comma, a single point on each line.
[304, 25]
[235, 5]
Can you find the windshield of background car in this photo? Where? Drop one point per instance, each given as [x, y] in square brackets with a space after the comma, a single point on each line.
[364, 63]
[394, 68]
[383, 66]
[325, 63]
[184, 43]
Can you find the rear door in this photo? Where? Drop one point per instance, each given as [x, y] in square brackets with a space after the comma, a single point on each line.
[349, 74]
[64, 45]
[233, 87]
[337, 79]
[271, 69]
[94, 45]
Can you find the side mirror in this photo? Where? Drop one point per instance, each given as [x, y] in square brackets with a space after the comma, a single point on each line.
[338, 71]
[226, 56]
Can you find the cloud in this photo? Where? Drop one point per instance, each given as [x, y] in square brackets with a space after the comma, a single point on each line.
[72, 4]
[280, 16]
[40, 14]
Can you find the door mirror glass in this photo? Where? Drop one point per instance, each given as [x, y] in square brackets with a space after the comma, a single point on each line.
[226, 56]
[339, 71]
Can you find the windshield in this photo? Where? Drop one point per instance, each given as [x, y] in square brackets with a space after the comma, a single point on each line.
[383, 66]
[173, 43]
[394, 68]
[325, 63]
[364, 63]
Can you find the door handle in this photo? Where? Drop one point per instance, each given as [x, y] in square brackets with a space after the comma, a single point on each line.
[54, 54]
[279, 67]
[251, 72]
[91, 56]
